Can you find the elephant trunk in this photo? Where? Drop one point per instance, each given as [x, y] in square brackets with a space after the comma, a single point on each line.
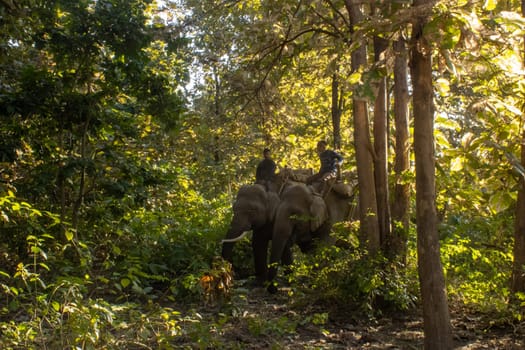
[227, 251]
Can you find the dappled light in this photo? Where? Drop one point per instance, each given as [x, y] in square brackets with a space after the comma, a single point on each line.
[137, 212]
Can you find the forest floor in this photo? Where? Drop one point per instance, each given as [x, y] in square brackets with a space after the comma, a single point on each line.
[258, 320]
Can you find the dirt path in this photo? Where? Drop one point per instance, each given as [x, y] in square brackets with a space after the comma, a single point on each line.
[257, 320]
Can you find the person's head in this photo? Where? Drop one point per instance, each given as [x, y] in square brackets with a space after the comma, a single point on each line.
[321, 146]
[266, 153]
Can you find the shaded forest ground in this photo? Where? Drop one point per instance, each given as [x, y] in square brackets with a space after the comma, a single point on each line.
[255, 319]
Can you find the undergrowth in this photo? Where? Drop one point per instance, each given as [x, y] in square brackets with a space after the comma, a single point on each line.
[349, 279]
[133, 283]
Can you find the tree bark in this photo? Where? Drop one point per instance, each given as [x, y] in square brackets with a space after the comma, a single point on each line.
[401, 200]
[518, 268]
[369, 225]
[337, 109]
[217, 114]
[381, 148]
[437, 327]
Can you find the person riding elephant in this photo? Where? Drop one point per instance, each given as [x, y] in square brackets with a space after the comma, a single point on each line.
[330, 166]
[302, 217]
[254, 209]
[265, 172]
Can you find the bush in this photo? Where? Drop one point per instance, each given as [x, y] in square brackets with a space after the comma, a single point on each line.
[477, 259]
[352, 279]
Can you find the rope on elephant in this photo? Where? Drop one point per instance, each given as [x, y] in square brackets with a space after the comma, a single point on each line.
[286, 176]
[329, 189]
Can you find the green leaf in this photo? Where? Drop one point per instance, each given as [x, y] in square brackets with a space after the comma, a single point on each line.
[443, 86]
[55, 305]
[125, 282]
[500, 201]
[354, 78]
[490, 5]
[292, 139]
[69, 235]
[452, 34]
[457, 164]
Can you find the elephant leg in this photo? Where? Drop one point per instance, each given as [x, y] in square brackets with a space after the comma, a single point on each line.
[287, 258]
[323, 232]
[279, 243]
[260, 254]
[306, 246]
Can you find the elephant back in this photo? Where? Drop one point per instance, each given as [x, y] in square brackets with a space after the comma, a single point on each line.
[297, 194]
[251, 197]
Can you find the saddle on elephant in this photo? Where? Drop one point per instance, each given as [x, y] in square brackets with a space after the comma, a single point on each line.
[335, 184]
[297, 175]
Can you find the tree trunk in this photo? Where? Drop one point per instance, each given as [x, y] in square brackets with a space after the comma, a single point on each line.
[401, 200]
[381, 148]
[337, 109]
[75, 211]
[369, 234]
[518, 270]
[437, 327]
[217, 114]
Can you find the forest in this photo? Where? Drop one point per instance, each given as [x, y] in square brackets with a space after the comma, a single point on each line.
[130, 129]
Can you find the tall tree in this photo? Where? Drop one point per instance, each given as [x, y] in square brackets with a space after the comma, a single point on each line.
[437, 327]
[370, 232]
[337, 109]
[381, 143]
[518, 271]
[401, 195]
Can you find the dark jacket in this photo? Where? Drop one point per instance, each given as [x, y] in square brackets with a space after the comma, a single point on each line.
[329, 160]
[265, 170]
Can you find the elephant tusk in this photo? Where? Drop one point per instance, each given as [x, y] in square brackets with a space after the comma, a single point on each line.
[232, 240]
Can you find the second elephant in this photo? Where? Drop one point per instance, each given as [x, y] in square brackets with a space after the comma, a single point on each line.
[301, 217]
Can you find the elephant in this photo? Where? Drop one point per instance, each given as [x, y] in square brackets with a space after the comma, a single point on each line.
[254, 209]
[301, 217]
[297, 215]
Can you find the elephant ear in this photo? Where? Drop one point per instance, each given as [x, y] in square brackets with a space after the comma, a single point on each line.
[318, 212]
[272, 203]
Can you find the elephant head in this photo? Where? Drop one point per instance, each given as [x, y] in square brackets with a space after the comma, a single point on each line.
[301, 217]
[254, 209]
